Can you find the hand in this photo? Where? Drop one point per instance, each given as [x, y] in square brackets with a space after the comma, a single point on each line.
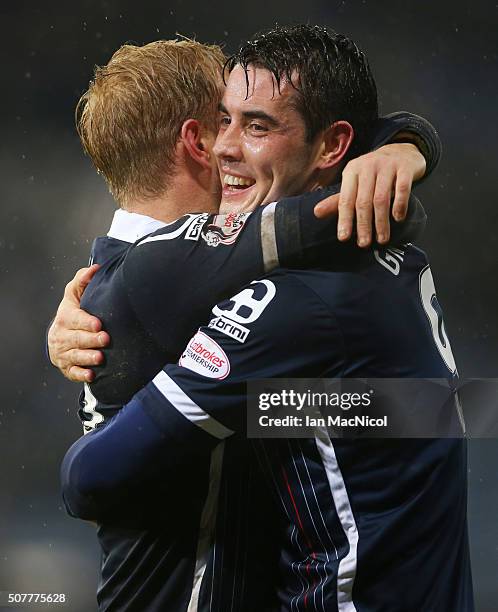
[368, 183]
[74, 333]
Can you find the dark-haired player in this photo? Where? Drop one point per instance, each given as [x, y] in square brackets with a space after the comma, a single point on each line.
[283, 182]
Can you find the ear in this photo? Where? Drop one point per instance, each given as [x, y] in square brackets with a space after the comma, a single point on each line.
[335, 144]
[192, 138]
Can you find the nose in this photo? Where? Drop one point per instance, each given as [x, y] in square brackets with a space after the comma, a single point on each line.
[227, 146]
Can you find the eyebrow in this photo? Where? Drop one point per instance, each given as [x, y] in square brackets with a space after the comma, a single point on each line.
[254, 114]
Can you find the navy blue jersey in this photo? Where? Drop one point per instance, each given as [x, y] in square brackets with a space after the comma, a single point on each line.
[365, 525]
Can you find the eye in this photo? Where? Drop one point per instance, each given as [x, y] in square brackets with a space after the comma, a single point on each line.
[225, 121]
[257, 127]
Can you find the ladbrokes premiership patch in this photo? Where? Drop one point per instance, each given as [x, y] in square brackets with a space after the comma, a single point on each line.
[205, 357]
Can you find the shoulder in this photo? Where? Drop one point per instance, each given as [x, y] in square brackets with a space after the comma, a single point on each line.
[147, 258]
[173, 236]
[273, 304]
[273, 326]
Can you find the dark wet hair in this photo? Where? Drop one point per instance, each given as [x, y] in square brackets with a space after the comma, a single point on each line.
[334, 79]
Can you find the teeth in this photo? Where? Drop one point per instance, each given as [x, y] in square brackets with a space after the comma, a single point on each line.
[229, 179]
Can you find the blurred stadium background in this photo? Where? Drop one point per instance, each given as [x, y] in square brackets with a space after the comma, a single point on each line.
[436, 59]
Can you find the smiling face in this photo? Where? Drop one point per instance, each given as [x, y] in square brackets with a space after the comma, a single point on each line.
[261, 148]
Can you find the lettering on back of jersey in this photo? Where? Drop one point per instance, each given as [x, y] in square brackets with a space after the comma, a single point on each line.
[391, 259]
[224, 229]
[230, 328]
[205, 357]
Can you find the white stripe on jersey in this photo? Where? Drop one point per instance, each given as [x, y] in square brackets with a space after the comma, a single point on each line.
[268, 238]
[177, 232]
[190, 410]
[207, 525]
[346, 572]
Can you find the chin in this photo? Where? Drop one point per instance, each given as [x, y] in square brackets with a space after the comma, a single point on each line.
[237, 207]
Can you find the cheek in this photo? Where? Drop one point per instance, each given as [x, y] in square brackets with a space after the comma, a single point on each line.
[283, 163]
[258, 156]
[301, 164]
[261, 159]
[255, 148]
[289, 169]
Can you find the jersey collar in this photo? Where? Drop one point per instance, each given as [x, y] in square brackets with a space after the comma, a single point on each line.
[130, 227]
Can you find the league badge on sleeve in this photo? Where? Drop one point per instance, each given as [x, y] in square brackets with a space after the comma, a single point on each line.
[224, 229]
[205, 357]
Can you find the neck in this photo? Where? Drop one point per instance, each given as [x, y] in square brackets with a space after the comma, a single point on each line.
[325, 178]
[184, 195]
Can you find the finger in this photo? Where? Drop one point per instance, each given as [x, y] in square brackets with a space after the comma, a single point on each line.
[77, 374]
[88, 340]
[84, 276]
[77, 319]
[83, 358]
[69, 339]
[327, 207]
[77, 285]
[70, 316]
[364, 208]
[347, 199]
[402, 195]
[381, 202]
